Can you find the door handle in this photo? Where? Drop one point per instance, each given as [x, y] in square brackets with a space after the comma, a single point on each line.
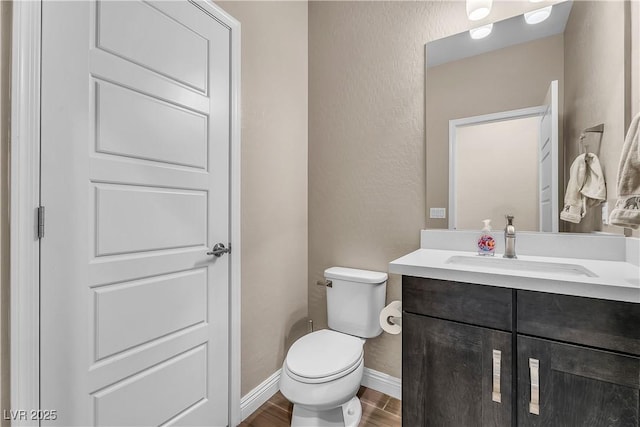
[496, 396]
[534, 371]
[219, 249]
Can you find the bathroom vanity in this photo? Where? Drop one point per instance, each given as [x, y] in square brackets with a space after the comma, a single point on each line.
[486, 345]
[585, 353]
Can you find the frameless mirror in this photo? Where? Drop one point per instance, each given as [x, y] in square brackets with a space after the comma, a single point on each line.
[504, 115]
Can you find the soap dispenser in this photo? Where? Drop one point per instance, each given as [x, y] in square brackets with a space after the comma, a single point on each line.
[486, 241]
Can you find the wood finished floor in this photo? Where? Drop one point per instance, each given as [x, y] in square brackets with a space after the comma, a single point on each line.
[378, 410]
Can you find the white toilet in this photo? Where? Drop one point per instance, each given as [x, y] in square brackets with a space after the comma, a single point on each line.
[322, 371]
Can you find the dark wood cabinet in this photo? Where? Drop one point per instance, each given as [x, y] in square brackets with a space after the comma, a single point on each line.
[578, 386]
[611, 325]
[448, 380]
[472, 304]
[564, 361]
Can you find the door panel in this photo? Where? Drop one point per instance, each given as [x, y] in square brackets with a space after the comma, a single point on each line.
[136, 125]
[135, 181]
[166, 46]
[578, 386]
[447, 372]
[157, 395]
[124, 222]
[184, 295]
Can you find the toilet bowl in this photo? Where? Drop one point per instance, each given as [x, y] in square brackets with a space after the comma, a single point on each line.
[323, 370]
[321, 376]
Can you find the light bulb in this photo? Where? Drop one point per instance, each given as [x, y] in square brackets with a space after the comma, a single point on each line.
[481, 32]
[537, 16]
[478, 9]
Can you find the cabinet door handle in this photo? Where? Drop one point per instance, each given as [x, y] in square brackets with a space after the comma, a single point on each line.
[534, 370]
[496, 396]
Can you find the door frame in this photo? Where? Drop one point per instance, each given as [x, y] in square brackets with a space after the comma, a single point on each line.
[25, 198]
[454, 124]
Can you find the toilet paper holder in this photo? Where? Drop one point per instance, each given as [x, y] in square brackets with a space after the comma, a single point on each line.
[394, 320]
[391, 318]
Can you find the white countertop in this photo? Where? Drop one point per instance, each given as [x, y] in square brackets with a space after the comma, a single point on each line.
[615, 280]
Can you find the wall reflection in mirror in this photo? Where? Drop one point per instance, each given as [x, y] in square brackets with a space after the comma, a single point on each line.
[504, 115]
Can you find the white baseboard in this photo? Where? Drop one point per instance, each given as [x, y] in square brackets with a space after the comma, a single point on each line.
[382, 382]
[259, 395]
[371, 378]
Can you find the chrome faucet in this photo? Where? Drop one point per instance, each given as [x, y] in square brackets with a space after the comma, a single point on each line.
[510, 238]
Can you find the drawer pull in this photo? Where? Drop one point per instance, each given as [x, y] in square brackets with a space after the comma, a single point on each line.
[534, 370]
[496, 396]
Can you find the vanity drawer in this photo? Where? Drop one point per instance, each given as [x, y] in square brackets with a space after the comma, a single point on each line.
[611, 325]
[463, 302]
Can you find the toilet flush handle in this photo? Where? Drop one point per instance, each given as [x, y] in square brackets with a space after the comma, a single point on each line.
[326, 282]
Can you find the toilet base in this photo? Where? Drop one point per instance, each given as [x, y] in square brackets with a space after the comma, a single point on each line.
[347, 415]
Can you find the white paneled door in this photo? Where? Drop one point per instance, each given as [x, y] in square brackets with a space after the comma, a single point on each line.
[135, 184]
[548, 162]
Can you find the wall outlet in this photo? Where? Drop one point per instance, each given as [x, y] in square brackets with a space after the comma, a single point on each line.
[437, 213]
[605, 213]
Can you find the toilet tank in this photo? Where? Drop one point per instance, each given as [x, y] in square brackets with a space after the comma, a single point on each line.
[354, 300]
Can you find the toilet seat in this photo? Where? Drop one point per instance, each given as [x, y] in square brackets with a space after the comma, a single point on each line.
[324, 356]
[329, 378]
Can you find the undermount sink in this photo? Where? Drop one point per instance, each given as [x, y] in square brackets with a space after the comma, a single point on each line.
[521, 265]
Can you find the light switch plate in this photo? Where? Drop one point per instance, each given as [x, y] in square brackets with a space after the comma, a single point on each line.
[437, 213]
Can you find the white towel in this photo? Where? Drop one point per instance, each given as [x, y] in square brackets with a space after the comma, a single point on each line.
[626, 212]
[586, 188]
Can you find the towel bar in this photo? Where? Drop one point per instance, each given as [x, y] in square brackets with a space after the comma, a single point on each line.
[593, 129]
[597, 128]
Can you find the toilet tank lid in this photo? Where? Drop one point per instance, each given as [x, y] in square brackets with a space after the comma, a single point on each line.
[355, 275]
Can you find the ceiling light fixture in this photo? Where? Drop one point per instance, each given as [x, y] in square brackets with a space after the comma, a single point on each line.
[537, 16]
[478, 9]
[481, 32]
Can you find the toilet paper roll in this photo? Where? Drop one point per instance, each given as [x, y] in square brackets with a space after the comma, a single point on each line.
[394, 309]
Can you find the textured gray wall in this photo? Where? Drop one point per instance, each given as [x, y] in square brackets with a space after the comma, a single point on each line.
[274, 182]
[594, 41]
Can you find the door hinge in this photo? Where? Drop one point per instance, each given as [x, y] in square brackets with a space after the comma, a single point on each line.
[40, 222]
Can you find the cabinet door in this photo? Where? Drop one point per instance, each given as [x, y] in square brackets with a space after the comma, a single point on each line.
[576, 386]
[447, 374]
